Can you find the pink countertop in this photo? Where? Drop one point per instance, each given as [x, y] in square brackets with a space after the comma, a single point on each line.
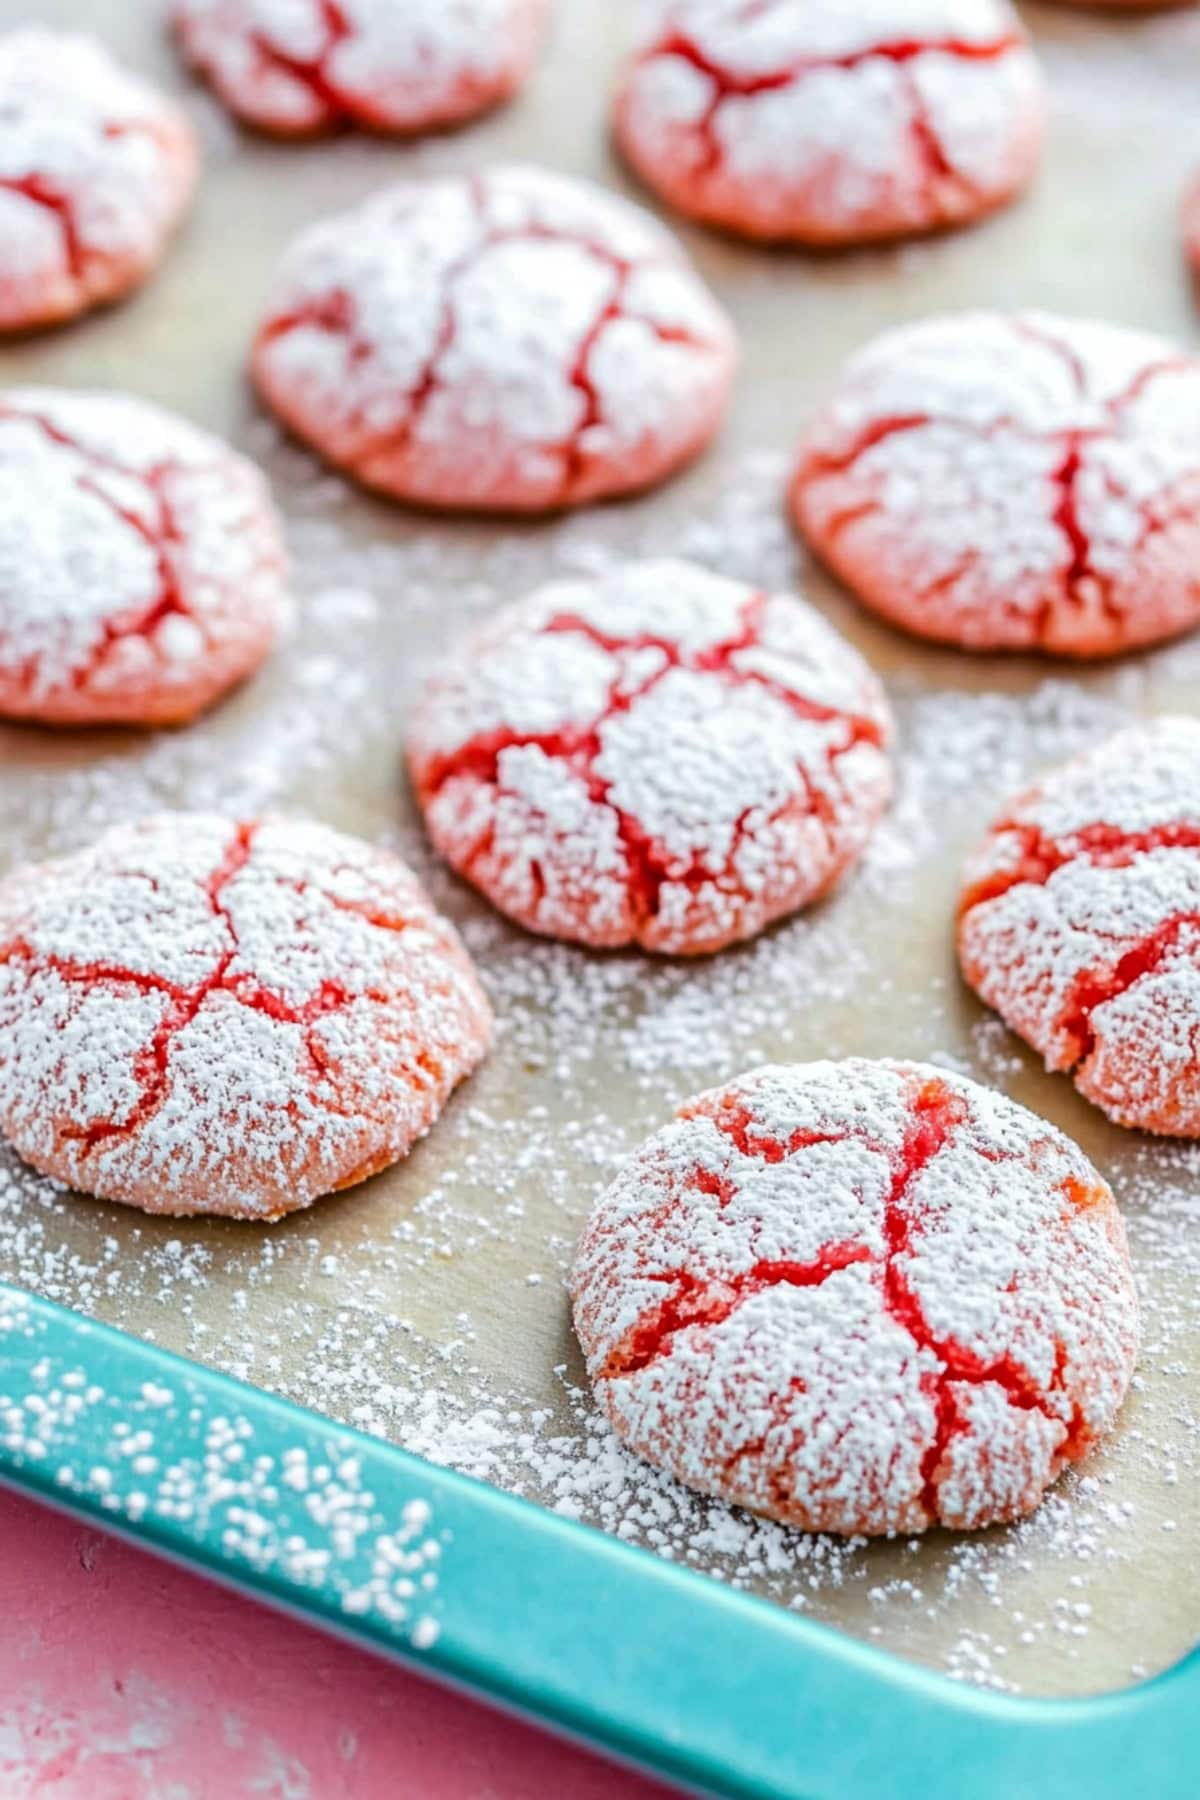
[122, 1678]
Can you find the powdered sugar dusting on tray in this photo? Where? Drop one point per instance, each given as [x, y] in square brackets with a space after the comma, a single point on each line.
[167, 1452]
[429, 1306]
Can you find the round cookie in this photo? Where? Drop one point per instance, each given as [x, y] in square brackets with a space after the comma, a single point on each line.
[1015, 482]
[815, 122]
[96, 169]
[858, 1297]
[143, 563]
[299, 67]
[1079, 922]
[657, 756]
[199, 1015]
[514, 340]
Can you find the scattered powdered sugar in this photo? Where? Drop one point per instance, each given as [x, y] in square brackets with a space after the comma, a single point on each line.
[300, 66]
[828, 123]
[513, 339]
[314, 704]
[307, 1513]
[1004, 480]
[657, 755]
[95, 169]
[407, 1307]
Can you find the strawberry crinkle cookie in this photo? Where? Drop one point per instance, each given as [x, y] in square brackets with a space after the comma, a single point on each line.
[1012, 482]
[858, 1297]
[199, 1015]
[822, 123]
[1079, 922]
[144, 569]
[514, 340]
[657, 756]
[299, 67]
[96, 169]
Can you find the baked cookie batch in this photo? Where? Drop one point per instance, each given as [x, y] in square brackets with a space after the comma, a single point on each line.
[861, 1297]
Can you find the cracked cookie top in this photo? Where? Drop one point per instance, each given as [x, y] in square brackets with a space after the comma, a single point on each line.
[200, 1015]
[858, 1297]
[658, 755]
[827, 123]
[1013, 482]
[298, 67]
[143, 562]
[95, 170]
[1079, 921]
[513, 340]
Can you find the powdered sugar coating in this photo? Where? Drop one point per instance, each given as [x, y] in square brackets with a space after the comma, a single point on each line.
[95, 171]
[1080, 923]
[1013, 482]
[142, 567]
[859, 1297]
[513, 340]
[658, 755]
[199, 1015]
[296, 67]
[824, 123]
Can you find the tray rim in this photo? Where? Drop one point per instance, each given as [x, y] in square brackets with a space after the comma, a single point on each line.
[717, 1691]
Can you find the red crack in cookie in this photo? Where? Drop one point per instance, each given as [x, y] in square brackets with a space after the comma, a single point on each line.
[1080, 923]
[297, 67]
[658, 756]
[858, 1297]
[95, 170]
[824, 123]
[514, 340]
[1013, 482]
[143, 562]
[202, 1016]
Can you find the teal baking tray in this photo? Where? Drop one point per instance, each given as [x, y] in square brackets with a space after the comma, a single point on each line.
[605, 1643]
